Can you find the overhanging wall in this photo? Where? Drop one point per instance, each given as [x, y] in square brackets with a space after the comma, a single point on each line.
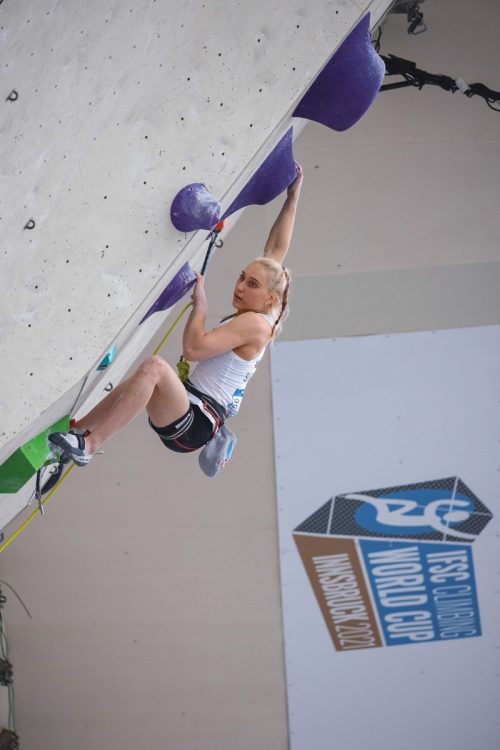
[110, 110]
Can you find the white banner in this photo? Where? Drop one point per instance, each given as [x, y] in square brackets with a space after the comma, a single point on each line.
[388, 471]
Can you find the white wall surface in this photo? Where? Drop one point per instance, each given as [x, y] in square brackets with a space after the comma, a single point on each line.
[155, 592]
[396, 410]
[119, 107]
[138, 102]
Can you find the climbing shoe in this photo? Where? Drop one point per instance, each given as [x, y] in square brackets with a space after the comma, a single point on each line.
[77, 430]
[71, 446]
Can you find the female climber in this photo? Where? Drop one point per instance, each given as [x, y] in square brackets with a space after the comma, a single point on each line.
[187, 415]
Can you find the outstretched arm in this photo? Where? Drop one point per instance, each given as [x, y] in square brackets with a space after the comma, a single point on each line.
[280, 235]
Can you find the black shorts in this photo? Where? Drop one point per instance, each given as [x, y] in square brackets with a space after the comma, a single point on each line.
[190, 432]
[194, 429]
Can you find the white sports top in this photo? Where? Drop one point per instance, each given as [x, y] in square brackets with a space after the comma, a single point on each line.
[225, 376]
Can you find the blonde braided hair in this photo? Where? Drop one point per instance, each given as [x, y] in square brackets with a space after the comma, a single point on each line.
[279, 282]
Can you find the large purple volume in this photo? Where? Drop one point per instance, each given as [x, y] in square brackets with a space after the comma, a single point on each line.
[272, 177]
[194, 208]
[348, 83]
[177, 288]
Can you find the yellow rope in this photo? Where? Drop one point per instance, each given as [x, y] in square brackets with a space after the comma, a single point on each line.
[172, 328]
[35, 512]
[46, 499]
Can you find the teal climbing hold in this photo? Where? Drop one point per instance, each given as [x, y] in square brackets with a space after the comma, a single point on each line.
[109, 357]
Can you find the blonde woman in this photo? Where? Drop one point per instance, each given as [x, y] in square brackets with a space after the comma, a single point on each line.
[187, 415]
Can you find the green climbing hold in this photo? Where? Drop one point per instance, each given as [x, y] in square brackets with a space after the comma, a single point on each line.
[25, 462]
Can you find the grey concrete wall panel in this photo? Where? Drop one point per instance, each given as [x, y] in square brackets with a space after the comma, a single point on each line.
[116, 108]
[395, 301]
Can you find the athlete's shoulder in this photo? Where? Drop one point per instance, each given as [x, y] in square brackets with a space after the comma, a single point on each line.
[254, 320]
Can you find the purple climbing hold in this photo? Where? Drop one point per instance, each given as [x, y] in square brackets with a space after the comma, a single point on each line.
[177, 288]
[273, 176]
[347, 85]
[194, 208]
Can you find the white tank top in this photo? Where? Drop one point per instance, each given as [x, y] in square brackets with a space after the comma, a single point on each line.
[225, 376]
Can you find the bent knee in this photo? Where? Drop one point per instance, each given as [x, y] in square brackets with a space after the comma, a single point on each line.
[157, 361]
[154, 365]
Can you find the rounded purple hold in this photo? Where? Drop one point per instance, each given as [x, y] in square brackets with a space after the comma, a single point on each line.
[347, 85]
[194, 208]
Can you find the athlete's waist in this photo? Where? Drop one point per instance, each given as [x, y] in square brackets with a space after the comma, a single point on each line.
[209, 400]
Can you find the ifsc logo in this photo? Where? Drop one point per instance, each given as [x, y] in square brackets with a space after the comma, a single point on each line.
[394, 566]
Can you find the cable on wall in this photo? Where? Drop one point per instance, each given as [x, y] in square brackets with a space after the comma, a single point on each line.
[413, 76]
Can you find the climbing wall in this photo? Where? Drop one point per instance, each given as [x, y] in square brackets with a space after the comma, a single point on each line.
[109, 110]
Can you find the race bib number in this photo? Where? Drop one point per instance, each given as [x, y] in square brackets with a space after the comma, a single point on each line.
[233, 407]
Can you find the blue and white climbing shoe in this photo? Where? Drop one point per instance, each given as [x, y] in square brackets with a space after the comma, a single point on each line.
[71, 445]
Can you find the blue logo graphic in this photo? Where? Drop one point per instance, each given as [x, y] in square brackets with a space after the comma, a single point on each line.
[441, 510]
[414, 512]
[407, 552]
[422, 592]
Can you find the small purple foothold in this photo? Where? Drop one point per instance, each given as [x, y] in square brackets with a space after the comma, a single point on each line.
[194, 208]
[347, 85]
[177, 288]
[273, 176]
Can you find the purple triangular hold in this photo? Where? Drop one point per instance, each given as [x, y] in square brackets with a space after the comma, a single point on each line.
[177, 288]
[194, 208]
[273, 176]
[347, 85]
